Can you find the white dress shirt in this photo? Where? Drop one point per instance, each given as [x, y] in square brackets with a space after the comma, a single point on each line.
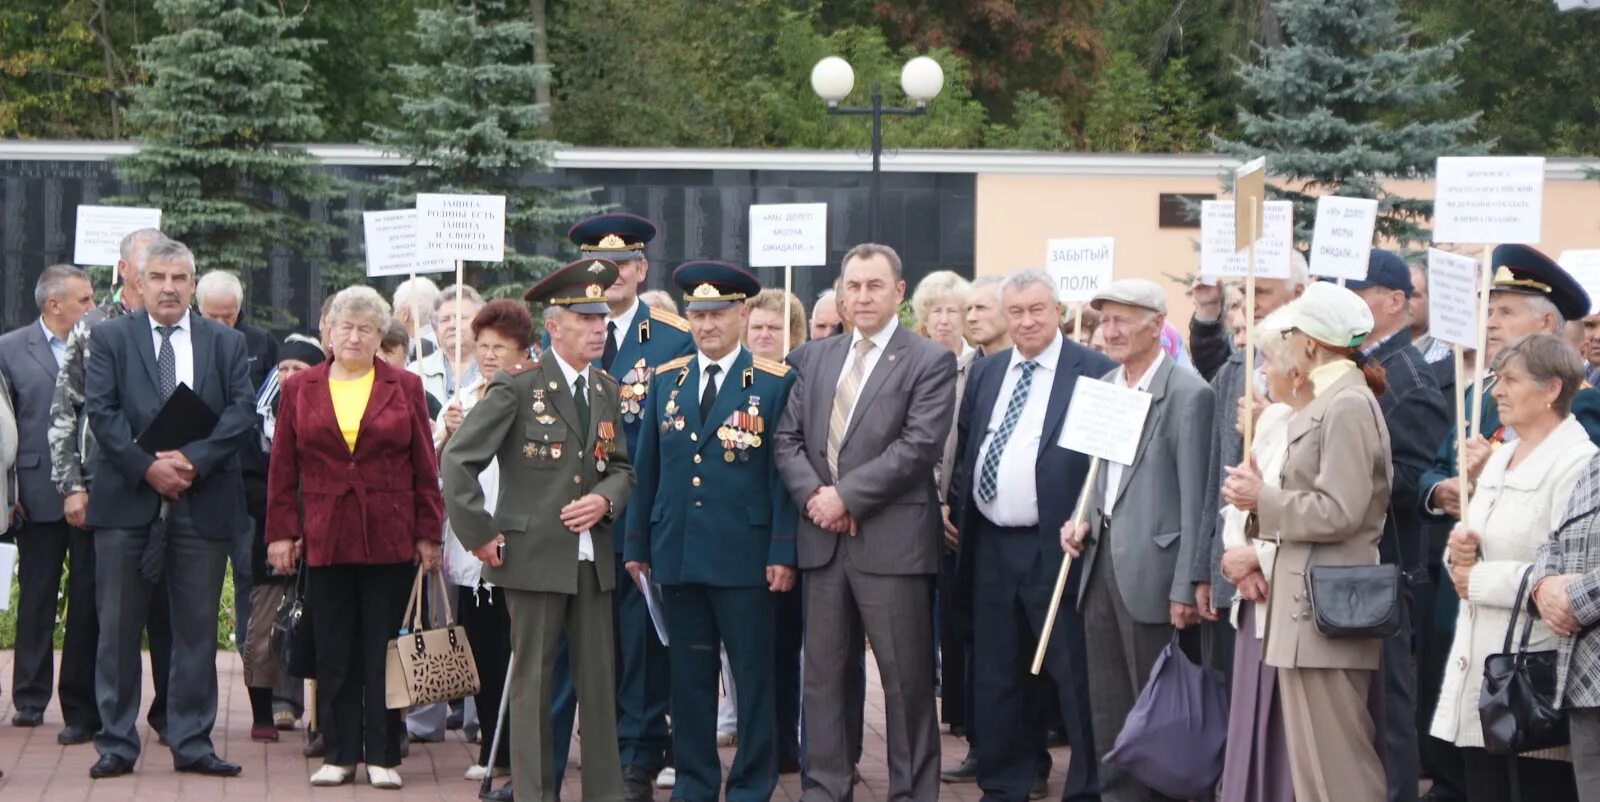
[624, 322]
[726, 363]
[1114, 469]
[1016, 498]
[58, 346]
[881, 341]
[182, 348]
[571, 374]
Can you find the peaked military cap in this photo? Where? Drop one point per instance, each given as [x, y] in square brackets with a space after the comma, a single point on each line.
[617, 236]
[708, 286]
[579, 286]
[1521, 269]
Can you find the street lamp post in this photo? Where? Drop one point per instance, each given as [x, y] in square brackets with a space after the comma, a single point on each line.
[832, 79]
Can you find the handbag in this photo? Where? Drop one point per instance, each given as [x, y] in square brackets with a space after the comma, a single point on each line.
[1517, 705]
[424, 666]
[292, 643]
[1356, 601]
[1174, 737]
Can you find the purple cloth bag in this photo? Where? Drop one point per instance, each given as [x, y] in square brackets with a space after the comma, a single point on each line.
[1173, 739]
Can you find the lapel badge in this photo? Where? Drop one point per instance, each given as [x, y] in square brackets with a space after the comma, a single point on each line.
[644, 333]
[747, 378]
[553, 385]
[545, 420]
[530, 450]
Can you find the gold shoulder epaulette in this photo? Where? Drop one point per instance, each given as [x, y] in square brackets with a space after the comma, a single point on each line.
[682, 361]
[522, 367]
[669, 319]
[779, 369]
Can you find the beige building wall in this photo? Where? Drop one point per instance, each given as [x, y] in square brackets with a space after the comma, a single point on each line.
[1017, 214]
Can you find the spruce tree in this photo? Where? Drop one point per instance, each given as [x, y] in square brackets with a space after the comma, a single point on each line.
[1347, 101]
[470, 124]
[228, 85]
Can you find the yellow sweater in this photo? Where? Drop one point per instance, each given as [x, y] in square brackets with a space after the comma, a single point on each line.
[350, 403]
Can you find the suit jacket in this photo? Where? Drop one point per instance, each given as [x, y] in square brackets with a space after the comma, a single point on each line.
[363, 507]
[947, 463]
[122, 398]
[886, 460]
[1574, 548]
[1414, 410]
[1158, 506]
[546, 461]
[30, 370]
[1060, 475]
[1227, 450]
[262, 351]
[697, 516]
[8, 456]
[1329, 510]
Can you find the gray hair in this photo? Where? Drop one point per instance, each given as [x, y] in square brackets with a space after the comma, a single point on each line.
[166, 250]
[426, 293]
[456, 292]
[53, 281]
[867, 250]
[1023, 279]
[133, 245]
[359, 299]
[551, 313]
[1541, 305]
[938, 286]
[826, 294]
[218, 282]
[1275, 348]
[1299, 271]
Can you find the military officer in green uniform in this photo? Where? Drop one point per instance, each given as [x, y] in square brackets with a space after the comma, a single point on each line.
[713, 524]
[555, 425]
[638, 339]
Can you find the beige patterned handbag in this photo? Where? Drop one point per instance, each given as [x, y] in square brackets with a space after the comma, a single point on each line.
[428, 665]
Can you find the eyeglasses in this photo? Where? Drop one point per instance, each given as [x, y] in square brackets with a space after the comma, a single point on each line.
[496, 351]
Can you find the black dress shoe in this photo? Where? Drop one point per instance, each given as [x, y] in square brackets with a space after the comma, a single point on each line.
[315, 747]
[501, 794]
[72, 735]
[27, 718]
[967, 772]
[638, 785]
[211, 766]
[110, 766]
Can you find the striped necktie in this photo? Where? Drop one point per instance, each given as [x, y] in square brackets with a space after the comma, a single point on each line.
[844, 400]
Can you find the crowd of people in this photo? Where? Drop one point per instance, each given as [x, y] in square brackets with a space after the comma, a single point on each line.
[690, 527]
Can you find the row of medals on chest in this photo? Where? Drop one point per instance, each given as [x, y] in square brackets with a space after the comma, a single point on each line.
[739, 432]
[605, 436]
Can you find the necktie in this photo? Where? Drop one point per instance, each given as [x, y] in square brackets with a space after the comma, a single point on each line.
[166, 363]
[991, 460]
[844, 400]
[580, 396]
[610, 354]
[708, 396]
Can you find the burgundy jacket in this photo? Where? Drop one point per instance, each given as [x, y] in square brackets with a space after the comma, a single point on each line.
[362, 508]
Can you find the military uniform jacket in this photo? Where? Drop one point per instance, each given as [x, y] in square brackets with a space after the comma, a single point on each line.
[710, 507]
[529, 421]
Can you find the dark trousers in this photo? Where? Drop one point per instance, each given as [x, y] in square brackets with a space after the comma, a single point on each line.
[644, 686]
[788, 634]
[482, 613]
[1435, 626]
[1584, 723]
[952, 650]
[1010, 595]
[356, 609]
[192, 582]
[1401, 764]
[42, 549]
[739, 618]
[1489, 778]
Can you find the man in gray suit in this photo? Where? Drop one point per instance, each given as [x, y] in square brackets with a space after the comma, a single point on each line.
[1137, 579]
[857, 445]
[30, 357]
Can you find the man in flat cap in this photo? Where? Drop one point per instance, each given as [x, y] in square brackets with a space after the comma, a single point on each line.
[1143, 529]
[555, 426]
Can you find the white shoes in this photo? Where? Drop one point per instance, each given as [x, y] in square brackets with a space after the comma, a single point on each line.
[667, 778]
[330, 775]
[477, 773]
[387, 779]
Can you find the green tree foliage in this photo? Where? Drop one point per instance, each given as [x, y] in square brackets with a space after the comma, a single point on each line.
[1134, 113]
[228, 80]
[1346, 101]
[1036, 125]
[469, 124]
[351, 72]
[62, 65]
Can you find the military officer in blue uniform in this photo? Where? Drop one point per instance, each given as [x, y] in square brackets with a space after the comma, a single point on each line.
[713, 524]
[638, 339]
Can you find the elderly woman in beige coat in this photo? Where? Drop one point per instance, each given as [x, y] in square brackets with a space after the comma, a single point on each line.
[1328, 509]
[1520, 497]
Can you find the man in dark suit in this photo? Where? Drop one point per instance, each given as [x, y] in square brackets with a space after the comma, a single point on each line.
[30, 358]
[177, 508]
[1013, 490]
[857, 446]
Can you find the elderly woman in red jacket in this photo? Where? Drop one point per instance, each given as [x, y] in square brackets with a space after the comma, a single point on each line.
[353, 489]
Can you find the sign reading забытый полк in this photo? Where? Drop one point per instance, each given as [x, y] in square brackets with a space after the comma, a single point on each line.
[1081, 266]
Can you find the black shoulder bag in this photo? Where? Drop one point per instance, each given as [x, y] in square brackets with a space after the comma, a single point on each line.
[1517, 704]
[292, 642]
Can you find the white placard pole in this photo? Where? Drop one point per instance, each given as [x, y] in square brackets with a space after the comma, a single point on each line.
[460, 290]
[788, 293]
[1066, 566]
[416, 321]
[1250, 335]
[1480, 358]
[1461, 430]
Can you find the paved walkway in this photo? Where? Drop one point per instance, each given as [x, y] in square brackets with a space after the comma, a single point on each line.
[38, 769]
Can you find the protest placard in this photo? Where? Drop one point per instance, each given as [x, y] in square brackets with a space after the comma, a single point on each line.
[468, 228]
[1104, 420]
[391, 240]
[1218, 259]
[1453, 298]
[1482, 199]
[1342, 238]
[100, 230]
[1584, 265]
[1249, 193]
[1081, 266]
[788, 234]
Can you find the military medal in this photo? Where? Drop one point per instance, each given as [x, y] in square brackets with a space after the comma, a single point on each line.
[538, 402]
[545, 420]
[632, 392]
[530, 450]
[727, 456]
[677, 423]
[555, 451]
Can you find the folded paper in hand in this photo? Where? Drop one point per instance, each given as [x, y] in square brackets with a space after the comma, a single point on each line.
[184, 419]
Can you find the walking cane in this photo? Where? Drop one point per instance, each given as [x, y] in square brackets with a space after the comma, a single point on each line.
[499, 730]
